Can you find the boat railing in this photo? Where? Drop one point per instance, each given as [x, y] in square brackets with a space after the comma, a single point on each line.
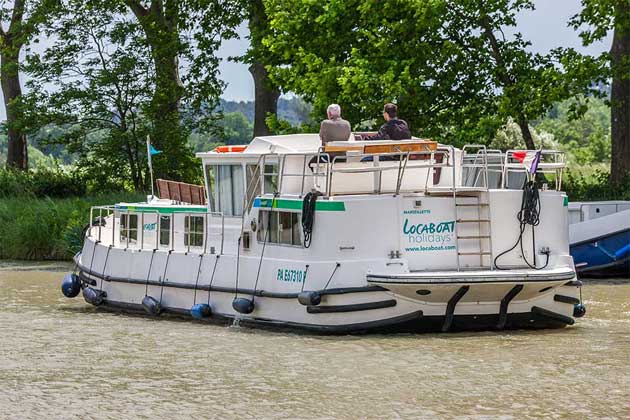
[481, 169]
[552, 162]
[319, 158]
[99, 215]
[484, 165]
[406, 161]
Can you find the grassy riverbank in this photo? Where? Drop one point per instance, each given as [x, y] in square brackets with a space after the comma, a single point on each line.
[34, 226]
[48, 228]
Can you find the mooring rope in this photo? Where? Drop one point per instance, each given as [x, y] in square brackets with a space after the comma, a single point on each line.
[146, 284]
[197, 281]
[304, 279]
[262, 252]
[337, 265]
[308, 216]
[216, 262]
[529, 214]
[168, 257]
[105, 266]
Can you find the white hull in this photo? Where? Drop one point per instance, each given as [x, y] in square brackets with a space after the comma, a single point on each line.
[425, 257]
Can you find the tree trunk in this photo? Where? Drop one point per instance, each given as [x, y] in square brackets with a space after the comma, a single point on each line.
[165, 112]
[159, 23]
[17, 155]
[523, 123]
[265, 92]
[620, 106]
[265, 98]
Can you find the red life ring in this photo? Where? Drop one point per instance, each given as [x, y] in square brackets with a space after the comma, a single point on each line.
[230, 149]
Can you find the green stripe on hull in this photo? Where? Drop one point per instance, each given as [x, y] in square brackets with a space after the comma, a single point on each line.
[284, 204]
[162, 209]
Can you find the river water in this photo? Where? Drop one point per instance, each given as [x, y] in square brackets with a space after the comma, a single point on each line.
[62, 358]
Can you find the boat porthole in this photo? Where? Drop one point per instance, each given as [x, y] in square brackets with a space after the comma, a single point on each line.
[544, 289]
[423, 292]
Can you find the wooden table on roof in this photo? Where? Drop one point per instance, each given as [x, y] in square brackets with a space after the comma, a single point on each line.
[381, 146]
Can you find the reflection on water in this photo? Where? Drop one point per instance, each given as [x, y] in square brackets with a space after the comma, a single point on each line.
[61, 358]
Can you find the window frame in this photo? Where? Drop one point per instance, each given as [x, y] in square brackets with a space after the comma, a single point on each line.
[127, 233]
[168, 231]
[196, 233]
[238, 182]
[295, 224]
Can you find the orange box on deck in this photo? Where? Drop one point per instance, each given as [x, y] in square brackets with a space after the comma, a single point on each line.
[419, 146]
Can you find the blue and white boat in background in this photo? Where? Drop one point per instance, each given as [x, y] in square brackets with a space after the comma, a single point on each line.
[599, 235]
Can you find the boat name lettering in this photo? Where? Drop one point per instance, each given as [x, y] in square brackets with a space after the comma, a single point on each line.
[417, 211]
[420, 228]
[291, 276]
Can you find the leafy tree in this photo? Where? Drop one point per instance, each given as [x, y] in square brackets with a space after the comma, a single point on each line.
[266, 93]
[103, 79]
[25, 19]
[235, 128]
[596, 19]
[188, 32]
[124, 69]
[446, 63]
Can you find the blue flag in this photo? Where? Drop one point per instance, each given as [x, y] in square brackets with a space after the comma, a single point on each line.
[153, 151]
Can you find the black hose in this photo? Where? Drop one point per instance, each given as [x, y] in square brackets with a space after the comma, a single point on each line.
[308, 216]
[529, 214]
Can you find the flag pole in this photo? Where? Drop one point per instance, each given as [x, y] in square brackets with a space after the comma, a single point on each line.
[150, 164]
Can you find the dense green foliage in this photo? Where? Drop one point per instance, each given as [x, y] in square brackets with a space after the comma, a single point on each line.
[594, 187]
[595, 21]
[47, 229]
[447, 64]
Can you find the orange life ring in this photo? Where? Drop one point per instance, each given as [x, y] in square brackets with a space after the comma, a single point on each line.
[230, 149]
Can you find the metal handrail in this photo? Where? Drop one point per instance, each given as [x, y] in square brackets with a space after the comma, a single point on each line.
[112, 210]
[402, 166]
[555, 167]
[305, 164]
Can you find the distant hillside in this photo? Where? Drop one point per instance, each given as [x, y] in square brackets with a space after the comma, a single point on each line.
[294, 110]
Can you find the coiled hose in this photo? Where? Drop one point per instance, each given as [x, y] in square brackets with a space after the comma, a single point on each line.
[529, 214]
[308, 216]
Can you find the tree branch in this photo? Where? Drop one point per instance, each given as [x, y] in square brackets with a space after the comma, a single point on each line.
[16, 17]
[137, 9]
[496, 50]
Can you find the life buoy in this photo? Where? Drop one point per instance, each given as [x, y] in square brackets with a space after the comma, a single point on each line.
[230, 149]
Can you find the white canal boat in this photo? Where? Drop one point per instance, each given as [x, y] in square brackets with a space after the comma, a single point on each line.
[356, 236]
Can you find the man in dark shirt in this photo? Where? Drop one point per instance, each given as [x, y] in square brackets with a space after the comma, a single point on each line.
[394, 128]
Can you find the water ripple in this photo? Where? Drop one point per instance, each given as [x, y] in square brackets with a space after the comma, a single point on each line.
[61, 358]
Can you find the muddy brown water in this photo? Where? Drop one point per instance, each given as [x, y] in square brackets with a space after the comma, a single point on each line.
[62, 358]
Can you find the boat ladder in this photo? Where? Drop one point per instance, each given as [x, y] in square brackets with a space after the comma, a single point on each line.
[472, 228]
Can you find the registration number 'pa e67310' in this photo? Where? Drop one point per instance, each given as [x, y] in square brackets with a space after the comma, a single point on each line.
[292, 276]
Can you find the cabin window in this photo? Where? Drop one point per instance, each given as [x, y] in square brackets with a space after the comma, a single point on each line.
[279, 227]
[128, 227]
[271, 178]
[165, 230]
[252, 175]
[193, 231]
[226, 186]
[211, 171]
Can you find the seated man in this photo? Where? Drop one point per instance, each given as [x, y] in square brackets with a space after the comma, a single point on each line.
[393, 129]
[334, 128]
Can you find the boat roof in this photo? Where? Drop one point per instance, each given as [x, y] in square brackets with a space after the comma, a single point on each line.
[290, 143]
[293, 143]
